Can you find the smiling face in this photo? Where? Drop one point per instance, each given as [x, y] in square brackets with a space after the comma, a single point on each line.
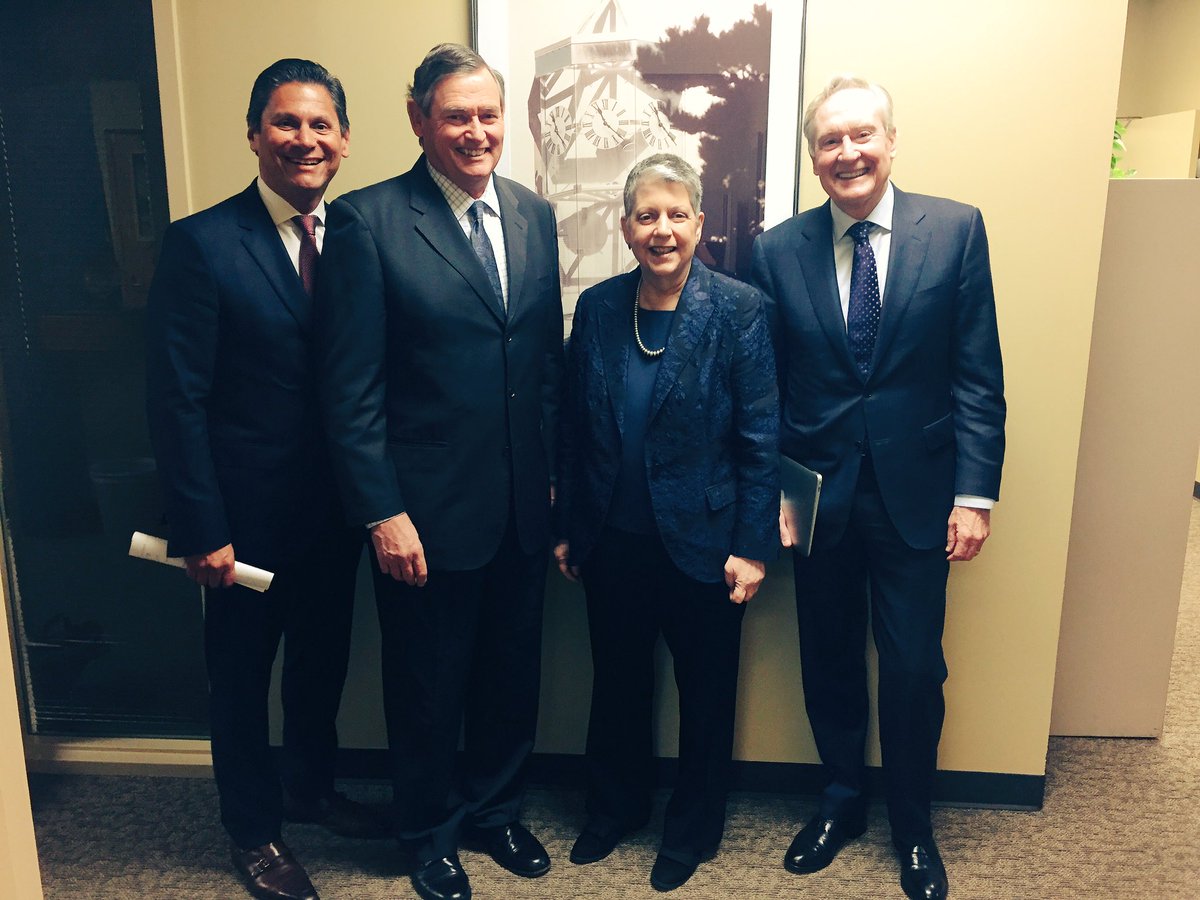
[299, 144]
[852, 150]
[663, 230]
[463, 135]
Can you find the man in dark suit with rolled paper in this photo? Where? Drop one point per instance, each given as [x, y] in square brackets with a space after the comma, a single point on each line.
[233, 417]
[884, 324]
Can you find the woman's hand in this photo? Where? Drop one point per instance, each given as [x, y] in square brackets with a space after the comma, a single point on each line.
[562, 551]
[743, 576]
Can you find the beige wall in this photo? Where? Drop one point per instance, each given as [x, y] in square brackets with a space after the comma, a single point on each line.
[1163, 146]
[1161, 69]
[976, 123]
[19, 874]
[1138, 445]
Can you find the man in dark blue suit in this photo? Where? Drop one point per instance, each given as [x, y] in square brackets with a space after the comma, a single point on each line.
[440, 360]
[884, 325]
[233, 416]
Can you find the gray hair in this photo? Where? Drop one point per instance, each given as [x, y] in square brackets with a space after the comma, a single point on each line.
[847, 83]
[441, 62]
[663, 167]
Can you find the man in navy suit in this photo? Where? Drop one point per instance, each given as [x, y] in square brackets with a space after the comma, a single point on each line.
[233, 417]
[891, 388]
[440, 359]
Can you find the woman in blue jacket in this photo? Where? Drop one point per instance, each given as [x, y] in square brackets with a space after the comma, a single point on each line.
[668, 504]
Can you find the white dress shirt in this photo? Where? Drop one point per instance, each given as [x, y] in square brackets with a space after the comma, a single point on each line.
[284, 216]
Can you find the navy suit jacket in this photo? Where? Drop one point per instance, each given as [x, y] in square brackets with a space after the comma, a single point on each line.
[439, 404]
[712, 454]
[230, 391]
[931, 411]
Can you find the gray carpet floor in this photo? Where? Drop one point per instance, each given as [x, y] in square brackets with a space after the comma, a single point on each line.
[1121, 819]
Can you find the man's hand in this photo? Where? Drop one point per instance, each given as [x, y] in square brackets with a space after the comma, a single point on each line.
[211, 569]
[743, 576]
[966, 531]
[398, 550]
[562, 551]
[785, 535]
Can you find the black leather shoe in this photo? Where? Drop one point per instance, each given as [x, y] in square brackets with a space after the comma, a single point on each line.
[339, 815]
[820, 840]
[513, 847]
[669, 874]
[270, 872]
[441, 879]
[592, 847]
[922, 874]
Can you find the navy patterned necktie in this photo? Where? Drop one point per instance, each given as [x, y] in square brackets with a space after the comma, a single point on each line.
[482, 246]
[862, 318]
[308, 252]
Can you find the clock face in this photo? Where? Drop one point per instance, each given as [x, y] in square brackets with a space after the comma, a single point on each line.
[559, 128]
[605, 123]
[656, 128]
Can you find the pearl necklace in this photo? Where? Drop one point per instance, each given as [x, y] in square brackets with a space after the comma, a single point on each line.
[637, 336]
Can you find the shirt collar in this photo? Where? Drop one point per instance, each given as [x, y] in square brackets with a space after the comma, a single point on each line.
[458, 199]
[279, 209]
[881, 215]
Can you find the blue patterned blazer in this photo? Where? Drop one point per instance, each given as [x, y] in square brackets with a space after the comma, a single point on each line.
[712, 458]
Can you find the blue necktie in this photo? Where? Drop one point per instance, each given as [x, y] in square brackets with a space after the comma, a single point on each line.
[862, 318]
[483, 249]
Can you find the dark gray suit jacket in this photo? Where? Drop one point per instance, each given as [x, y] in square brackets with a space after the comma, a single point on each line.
[437, 403]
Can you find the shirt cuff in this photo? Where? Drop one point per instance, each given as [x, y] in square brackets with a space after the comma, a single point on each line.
[970, 500]
[371, 525]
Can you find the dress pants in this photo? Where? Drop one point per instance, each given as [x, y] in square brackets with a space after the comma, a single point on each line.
[464, 651]
[872, 568]
[310, 604]
[634, 593]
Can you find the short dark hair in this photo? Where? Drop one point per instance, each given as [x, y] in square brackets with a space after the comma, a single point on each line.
[287, 71]
[441, 62]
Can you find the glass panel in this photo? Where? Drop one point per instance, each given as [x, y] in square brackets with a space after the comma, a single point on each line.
[108, 645]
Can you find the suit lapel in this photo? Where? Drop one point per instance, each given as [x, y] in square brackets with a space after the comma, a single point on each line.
[613, 327]
[687, 328]
[515, 242]
[261, 239]
[815, 252]
[910, 244]
[441, 231]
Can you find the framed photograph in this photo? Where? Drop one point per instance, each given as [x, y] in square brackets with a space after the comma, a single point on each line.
[590, 91]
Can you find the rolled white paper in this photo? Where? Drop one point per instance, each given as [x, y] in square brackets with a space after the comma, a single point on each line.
[146, 546]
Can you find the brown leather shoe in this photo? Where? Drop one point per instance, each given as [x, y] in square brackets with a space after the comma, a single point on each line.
[272, 873]
[338, 815]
